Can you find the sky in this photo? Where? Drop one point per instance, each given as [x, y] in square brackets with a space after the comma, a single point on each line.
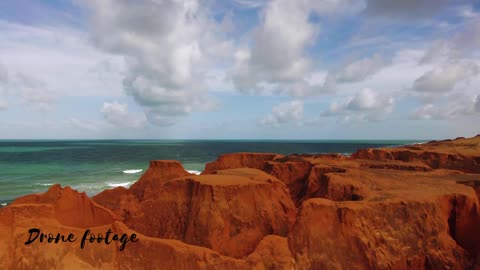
[239, 69]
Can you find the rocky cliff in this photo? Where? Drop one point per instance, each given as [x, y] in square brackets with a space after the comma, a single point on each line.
[412, 207]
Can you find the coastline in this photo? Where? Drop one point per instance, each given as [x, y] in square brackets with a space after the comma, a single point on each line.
[93, 166]
[409, 205]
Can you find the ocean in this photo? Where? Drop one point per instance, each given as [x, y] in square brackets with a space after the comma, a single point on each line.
[94, 165]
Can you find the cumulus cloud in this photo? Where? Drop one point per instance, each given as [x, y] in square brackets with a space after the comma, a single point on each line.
[279, 43]
[366, 104]
[444, 79]
[451, 108]
[463, 43]
[169, 47]
[356, 71]
[285, 113]
[277, 59]
[117, 114]
[60, 56]
[361, 69]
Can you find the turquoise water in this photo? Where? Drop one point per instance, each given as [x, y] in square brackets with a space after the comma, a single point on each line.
[92, 166]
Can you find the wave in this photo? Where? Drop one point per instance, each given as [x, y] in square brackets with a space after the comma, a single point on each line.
[3, 204]
[194, 172]
[420, 143]
[133, 171]
[124, 184]
[45, 184]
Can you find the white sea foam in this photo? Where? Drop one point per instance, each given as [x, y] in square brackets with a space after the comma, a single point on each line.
[45, 184]
[194, 172]
[124, 184]
[4, 204]
[133, 171]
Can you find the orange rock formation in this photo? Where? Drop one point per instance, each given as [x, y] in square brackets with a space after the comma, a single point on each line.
[411, 207]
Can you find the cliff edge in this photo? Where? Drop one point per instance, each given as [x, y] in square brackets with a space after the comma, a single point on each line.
[410, 207]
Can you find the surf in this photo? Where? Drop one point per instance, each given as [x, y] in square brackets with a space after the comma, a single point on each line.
[124, 184]
[132, 171]
[194, 172]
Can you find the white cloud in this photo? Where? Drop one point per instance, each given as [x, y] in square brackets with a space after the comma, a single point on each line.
[251, 3]
[285, 113]
[466, 40]
[467, 12]
[463, 43]
[169, 47]
[32, 92]
[361, 69]
[444, 79]
[278, 51]
[61, 57]
[277, 59]
[451, 108]
[438, 51]
[117, 114]
[366, 104]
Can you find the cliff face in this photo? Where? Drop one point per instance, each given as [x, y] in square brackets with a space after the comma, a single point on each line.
[413, 207]
[230, 211]
[460, 154]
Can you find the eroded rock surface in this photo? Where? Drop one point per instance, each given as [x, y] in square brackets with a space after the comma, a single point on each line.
[412, 207]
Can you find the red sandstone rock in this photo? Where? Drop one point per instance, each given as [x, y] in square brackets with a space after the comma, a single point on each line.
[71, 208]
[148, 253]
[239, 160]
[159, 171]
[460, 154]
[229, 212]
[413, 207]
[292, 173]
[401, 234]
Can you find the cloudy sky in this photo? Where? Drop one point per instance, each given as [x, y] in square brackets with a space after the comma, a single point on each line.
[239, 69]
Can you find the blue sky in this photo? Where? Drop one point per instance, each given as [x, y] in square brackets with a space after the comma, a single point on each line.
[239, 69]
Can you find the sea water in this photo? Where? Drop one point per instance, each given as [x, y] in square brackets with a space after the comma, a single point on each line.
[94, 165]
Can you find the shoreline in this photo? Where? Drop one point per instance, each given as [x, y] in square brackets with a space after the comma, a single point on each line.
[408, 205]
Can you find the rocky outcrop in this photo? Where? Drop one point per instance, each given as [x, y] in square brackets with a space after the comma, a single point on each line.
[70, 207]
[413, 207]
[239, 160]
[460, 154]
[147, 253]
[400, 234]
[158, 172]
[229, 211]
[293, 171]
[335, 184]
